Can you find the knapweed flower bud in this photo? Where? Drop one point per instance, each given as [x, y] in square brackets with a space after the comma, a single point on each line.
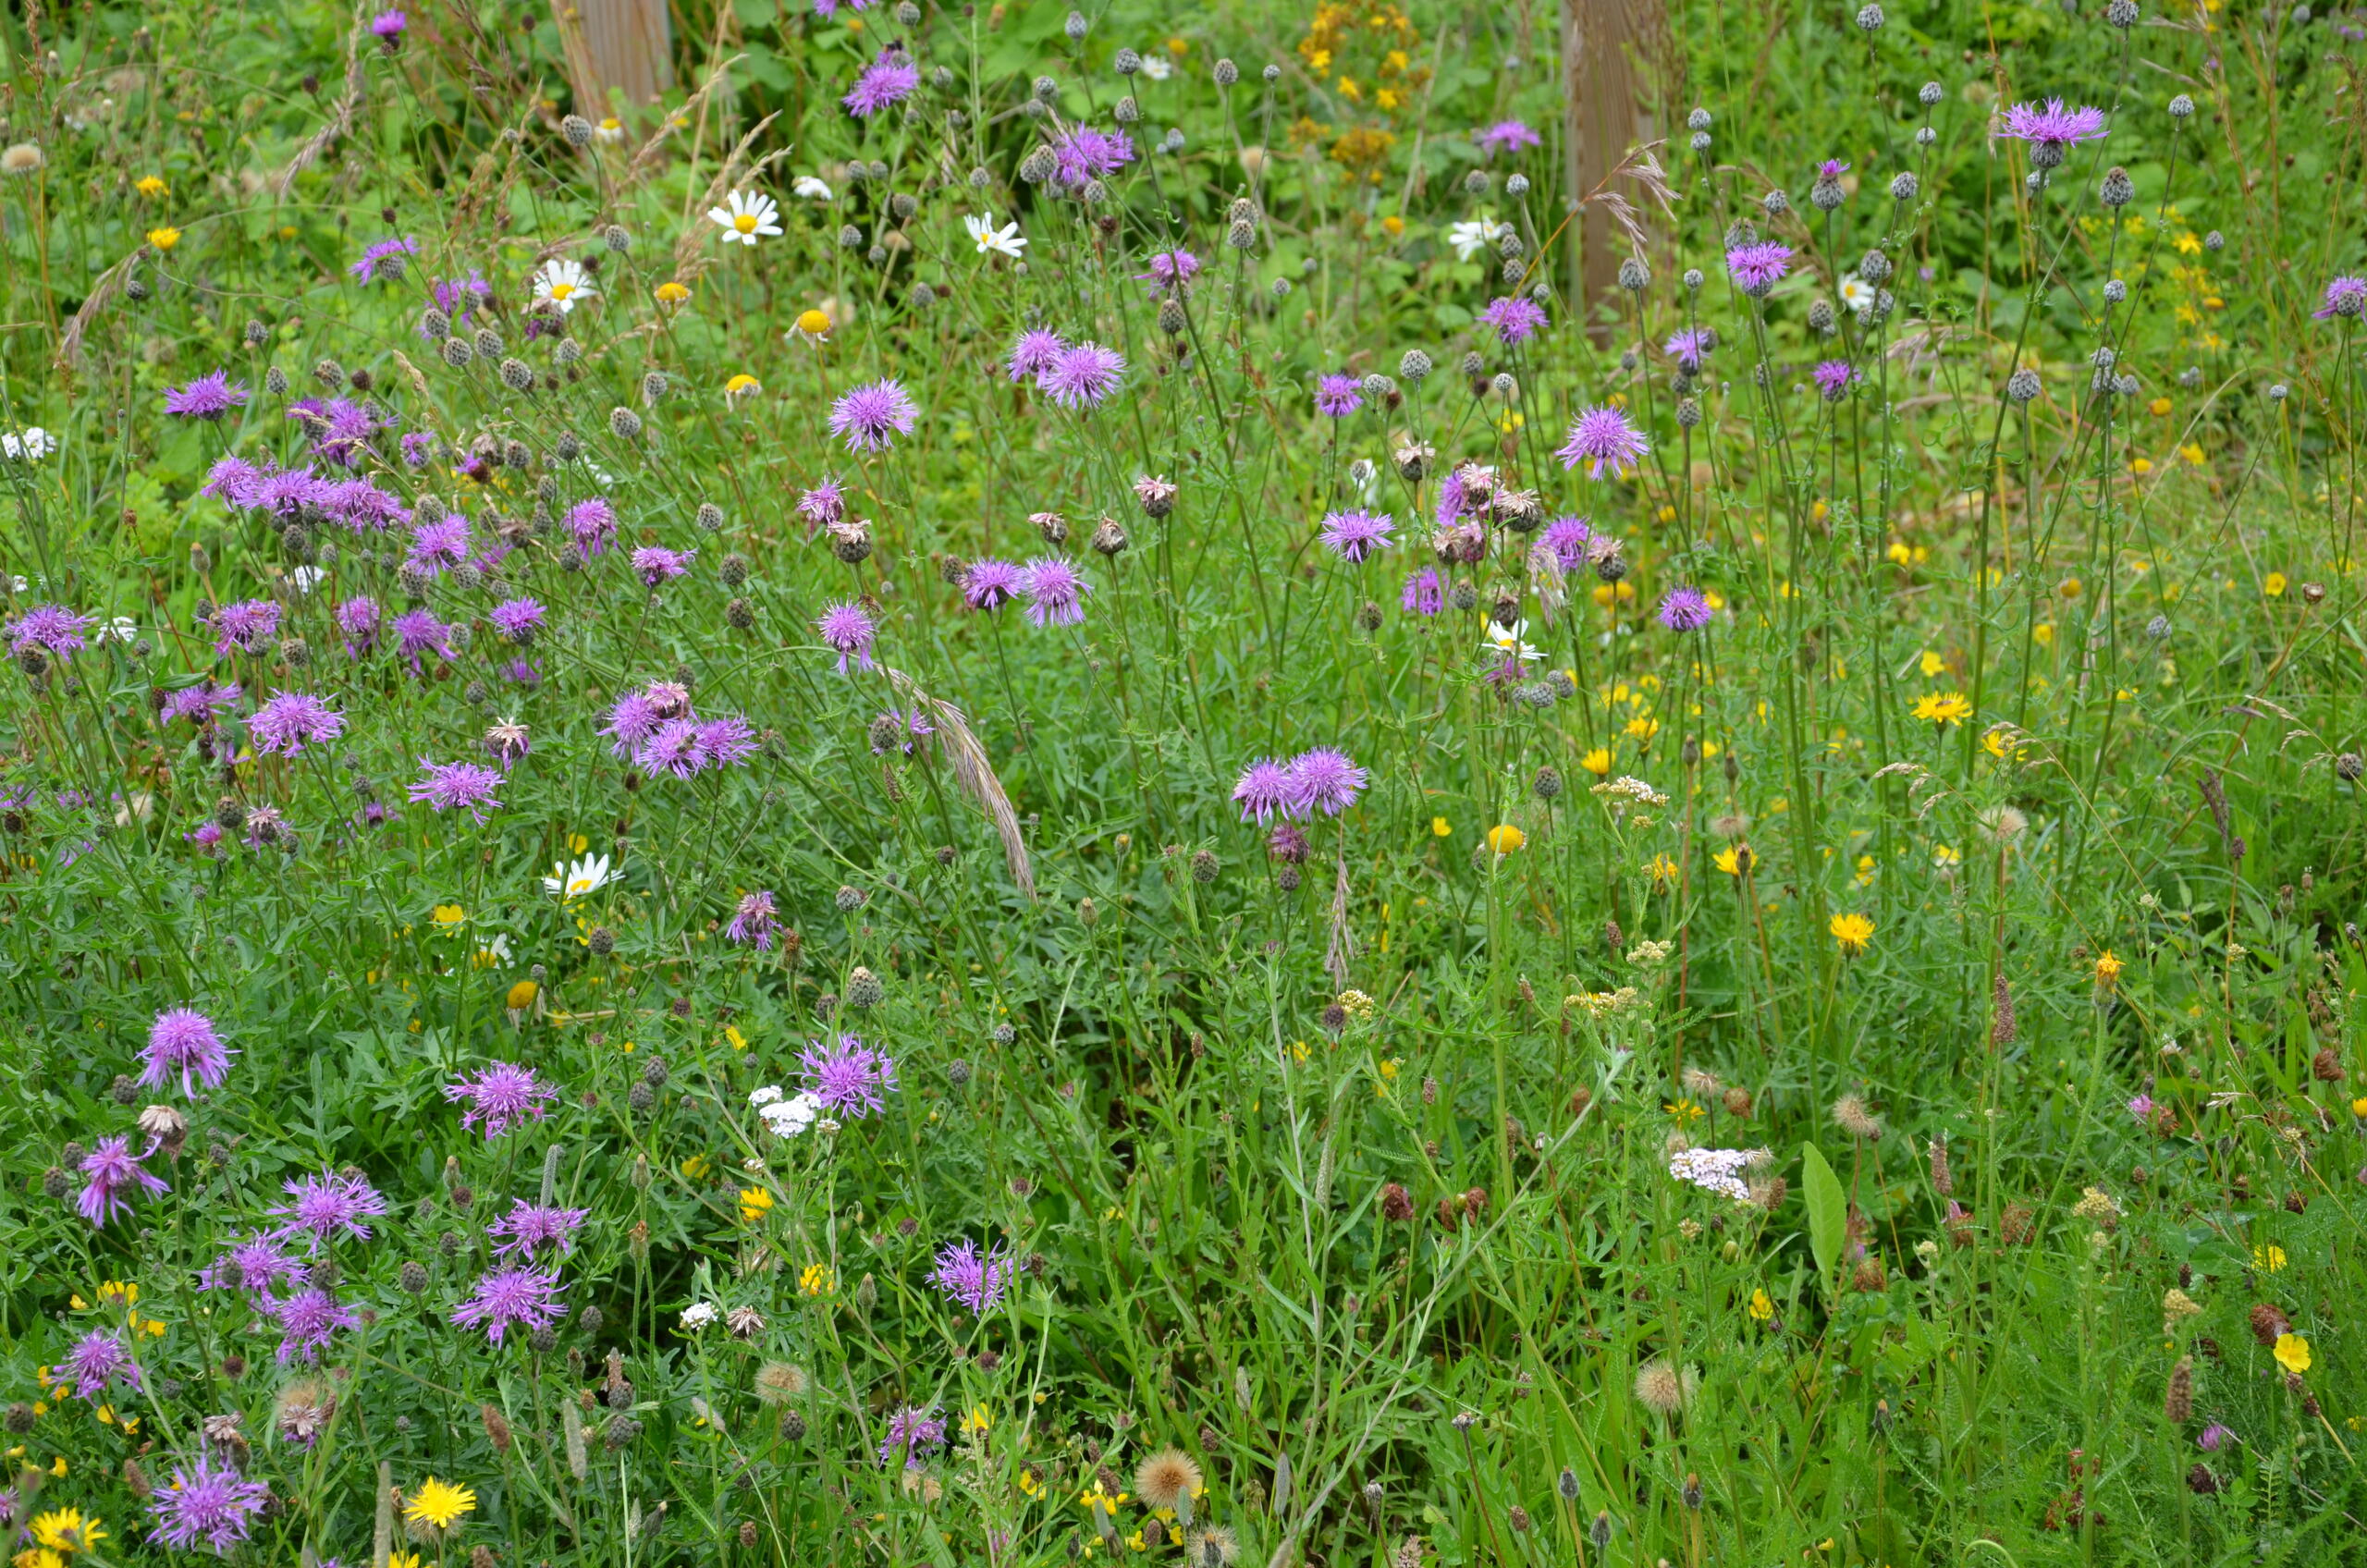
[2349, 766]
[577, 129]
[1821, 319]
[2215, 241]
[1776, 203]
[1037, 167]
[1874, 266]
[1904, 187]
[2181, 107]
[1689, 412]
[1516, 185]
[1698, 119]
[2121, 14]
[518, 375]
[909, 15]
[488, 344]
[1172, 320]
[1476, 183]
[863, 990]
[1870, 19]
[623, 424]
[850, 238]
[1930, 95]
[1634, 276]
[600, 940]
[412, 1277]
[1225, 72]
[275, 380]
[1076, 27]
[617, 238]
[1126, 111]
[654, 385]
[1700, 141]
[2117, 190]
[2022, 385]
[1108, 538]
[902, 206]
[1125, 62]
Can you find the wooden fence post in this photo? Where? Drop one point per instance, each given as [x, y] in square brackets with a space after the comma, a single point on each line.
[617, 46]
[1604, 115]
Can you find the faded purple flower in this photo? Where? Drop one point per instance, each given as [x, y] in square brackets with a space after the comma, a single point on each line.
[823, 504]
[52, 628]
[1507, 136]
[655, 564]
[113, 1169]
[258, 1265]
[1832, 378]
[1565, 541]
[246, 626]
[1424, 594]
[755, 921]
[2345, 296]
[2052, 129]
[517, 620]
[183, 1041]
[418, 633]
[1516, 318]
[1686, 345]
[96, 1360]
[1171, 271]
[500, 1097]
[593, 525]
[1084, 154]
[203, 704]
[438, 543]
[308, 1321]
[388, 25]
[1055, 593]
[2214, 1438]
[374, 255]
[456, 786]
[913, 1433]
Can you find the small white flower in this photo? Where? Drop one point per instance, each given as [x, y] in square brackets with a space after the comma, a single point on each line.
[609, 130]
[563, 283]
[587, 875]
[1473, 236]
[31, 448]
[123, 629]
[790, 1117]
[307, 578]
[764, 1095]
[1508, 640]
[1856, 292]
[698, 1315]
[1005, 240]
[745, 216]
[1156, 67]
[807, 187]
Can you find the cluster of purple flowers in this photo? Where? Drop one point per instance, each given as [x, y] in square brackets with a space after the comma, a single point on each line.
[1321, 779]
[659, 730]
[1084, 153]
[1078, 376]
[358, 503]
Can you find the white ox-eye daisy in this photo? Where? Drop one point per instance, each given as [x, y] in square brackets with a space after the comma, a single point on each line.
[746, 217]
[1004, 240]
[563, 283]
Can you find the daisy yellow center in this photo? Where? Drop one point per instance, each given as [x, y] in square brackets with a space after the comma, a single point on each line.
[745, 223]
[561, 291]
[576, 884]
[814, 322]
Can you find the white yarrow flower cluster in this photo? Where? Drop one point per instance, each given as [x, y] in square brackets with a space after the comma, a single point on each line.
[786, 1117]
[28, 447]
[1717, 1170]
[699, 1315]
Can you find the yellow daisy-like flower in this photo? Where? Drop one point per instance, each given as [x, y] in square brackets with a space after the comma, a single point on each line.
[1503, 839]
[1728, 861]
[754, 1204]
[672, 293]
[1853, 932]
[1597, 761]
[2108, 968]
[165, 238]
[1943, 707]
[2274, 585]
[1932, 663]
[449, 914]
[2292, 1353]
[147, 185]
[439, 1504]
[1762, 1306]
[1682, 1110]
[64, 1530]
[741, 385]
[814, 324]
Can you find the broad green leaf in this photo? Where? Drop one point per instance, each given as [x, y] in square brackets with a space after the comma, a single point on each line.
[1828, 1209]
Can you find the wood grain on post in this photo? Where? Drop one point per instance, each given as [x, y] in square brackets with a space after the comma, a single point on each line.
[1604, 115]
[619, 46]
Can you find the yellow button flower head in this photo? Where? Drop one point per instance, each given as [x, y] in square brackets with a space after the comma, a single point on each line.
[672, 293]
[439, 1504]
[1853, 932]
[2108, 968]
[1503, 839]
[522, 995]
[814, 324]
[164, 239]
[2293, 1354]
[149, 186]
[741, 385]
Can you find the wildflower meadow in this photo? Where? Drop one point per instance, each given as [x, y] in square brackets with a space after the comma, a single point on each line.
[1368, 784]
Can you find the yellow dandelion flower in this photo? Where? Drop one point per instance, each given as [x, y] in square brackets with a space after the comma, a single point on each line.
[2108, 968]
[164, 238]
[1853, 932]
[2274, 585]
[439, 1504]
[66, 1530]
[1943, 707]
[1597, 761]
[147, 185]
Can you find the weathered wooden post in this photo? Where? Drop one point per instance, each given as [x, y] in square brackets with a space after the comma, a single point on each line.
[619, 46]
[1604, 115]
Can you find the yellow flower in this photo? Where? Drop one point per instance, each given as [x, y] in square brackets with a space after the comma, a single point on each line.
[522, 995]
[2108, 968]
[978, 1420]
[1439, 829]
[2069, 588]
[1943, 707]
[404, 1559]
[2269, 1259]
[1853, 932]
[694, 1168]
[449, 915]
[147, 185]
[1597, 761]
[1684, 1110]
[814, 324]
[754, 1203]
[1031, 1483]
[38, 1557]
[2193, 453]
[2043, 633]
[2293, 1354]
[2274, 585]
[1932, 663]
[2141, 465]
[439, 1503]
[1094, 1497]
[1728, 861]
[741, 385]
[1503, 839]
[1761, 1306]
[817, 1281]
[164, 239]
[671, 293]
[1661, 869]
[65, 1529]
[2159, 406]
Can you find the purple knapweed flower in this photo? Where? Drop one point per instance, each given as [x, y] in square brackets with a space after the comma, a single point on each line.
[340, 428]
[527, 1298]
[232, 481]
[754, 921]
[54, 629]
[1686, 345]
[203, 704]
[96, 1360]
[500, 1097]
[246, 626]
[456, 786]
[1507, 136]
[2214, 1438]
[1603, 437]
[1263, 788]
[388, 25]
[848, 1077]
[418, 633]
[292, 720]
[899, 732]
[418, 446]
[1325, 780]
[528, 1225]
[210, 397]
[1055, 593]
[655, 564]
[517, 620]
[183, 1041]
[1084, 376]
[2052, 130]
[1516, 318]
[973, 1278]
[849, 629]
[258, 1265]
[2345, 296]
[1685, 609]
[1424, 594]
[885, 83]
[113, 1169]
[206, 1505]
[374, 255]
[1758, 266]
[631, 723]
[1832, 378]
[1084, 153]
[822, 506]
[358, 618]
[914, 1433]
[361, 506]
[324, 1207]
[989, 585]
[870, 416]
[308, 1321]
[593, 525]
[1356, 535]
[1337, 397]
[1171, 271]
[1038, 349]
[1564, 543]
[438, 543]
